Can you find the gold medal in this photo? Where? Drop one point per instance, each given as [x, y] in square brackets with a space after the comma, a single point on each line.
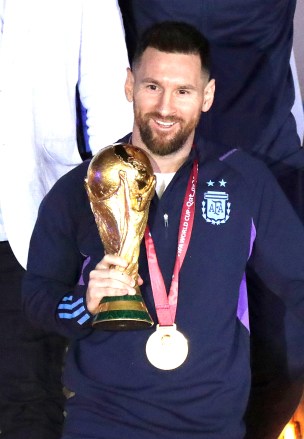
[167, 348]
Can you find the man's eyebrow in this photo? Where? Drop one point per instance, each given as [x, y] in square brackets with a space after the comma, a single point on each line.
[187, 87]
[149, 80]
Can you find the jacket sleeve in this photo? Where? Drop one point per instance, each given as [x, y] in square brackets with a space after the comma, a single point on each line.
[102, 73]
[278, 252]
[53, 291]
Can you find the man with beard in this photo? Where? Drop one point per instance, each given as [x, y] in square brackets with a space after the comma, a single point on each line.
[250, 49]
[213, 215]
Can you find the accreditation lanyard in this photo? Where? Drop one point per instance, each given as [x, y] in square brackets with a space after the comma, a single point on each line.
[166, 304]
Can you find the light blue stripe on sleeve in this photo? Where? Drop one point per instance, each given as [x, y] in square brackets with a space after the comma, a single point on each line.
[72, 315]
[67, 298]
[83, 319]
[70, 305]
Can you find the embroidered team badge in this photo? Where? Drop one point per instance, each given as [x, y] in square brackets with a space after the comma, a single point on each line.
[216, 207]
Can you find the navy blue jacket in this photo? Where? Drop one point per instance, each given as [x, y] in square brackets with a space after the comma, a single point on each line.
[205, 397]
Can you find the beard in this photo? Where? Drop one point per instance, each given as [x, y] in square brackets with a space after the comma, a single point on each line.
[162, 144]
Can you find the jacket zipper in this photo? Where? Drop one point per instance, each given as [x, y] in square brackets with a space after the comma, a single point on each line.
[166, 222]
[166, 219]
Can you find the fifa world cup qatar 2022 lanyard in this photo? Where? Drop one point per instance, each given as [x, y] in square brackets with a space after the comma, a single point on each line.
[167, 348]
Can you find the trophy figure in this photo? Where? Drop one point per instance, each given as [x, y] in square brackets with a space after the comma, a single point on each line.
[120, 185]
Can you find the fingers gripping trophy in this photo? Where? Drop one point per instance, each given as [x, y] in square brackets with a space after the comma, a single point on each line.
[120, 185]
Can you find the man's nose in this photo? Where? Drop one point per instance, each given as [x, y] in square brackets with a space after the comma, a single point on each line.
[166, 104]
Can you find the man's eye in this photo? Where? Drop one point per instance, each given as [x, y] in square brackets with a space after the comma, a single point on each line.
[152, 87]
[183, 92]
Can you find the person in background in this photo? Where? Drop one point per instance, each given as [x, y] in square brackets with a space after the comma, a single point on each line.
[48, 48]
[226, 205]
[250, 50]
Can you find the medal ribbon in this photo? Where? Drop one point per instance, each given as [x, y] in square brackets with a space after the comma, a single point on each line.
[166, 304]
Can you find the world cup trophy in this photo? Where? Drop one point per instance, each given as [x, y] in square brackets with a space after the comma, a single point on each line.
[120, 185]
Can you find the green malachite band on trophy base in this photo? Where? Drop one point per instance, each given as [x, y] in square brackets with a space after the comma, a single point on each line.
[122, 313]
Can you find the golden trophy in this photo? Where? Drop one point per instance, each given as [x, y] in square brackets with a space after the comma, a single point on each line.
[120, 185]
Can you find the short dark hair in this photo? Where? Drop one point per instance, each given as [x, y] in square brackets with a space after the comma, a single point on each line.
[174, 37]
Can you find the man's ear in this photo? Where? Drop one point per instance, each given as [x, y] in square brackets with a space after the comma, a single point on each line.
[129, 85]
[208, 95]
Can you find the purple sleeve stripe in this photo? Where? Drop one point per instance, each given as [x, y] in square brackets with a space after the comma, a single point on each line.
[242, 309]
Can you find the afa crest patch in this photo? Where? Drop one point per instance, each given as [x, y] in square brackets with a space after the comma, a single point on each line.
[216, 207]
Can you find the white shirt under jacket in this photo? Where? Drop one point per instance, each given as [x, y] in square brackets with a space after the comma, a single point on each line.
[47, 47]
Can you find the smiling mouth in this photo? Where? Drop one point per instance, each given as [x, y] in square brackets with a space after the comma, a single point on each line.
[163, 124]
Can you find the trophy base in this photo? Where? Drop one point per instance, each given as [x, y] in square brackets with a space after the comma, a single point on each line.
[122, 313]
